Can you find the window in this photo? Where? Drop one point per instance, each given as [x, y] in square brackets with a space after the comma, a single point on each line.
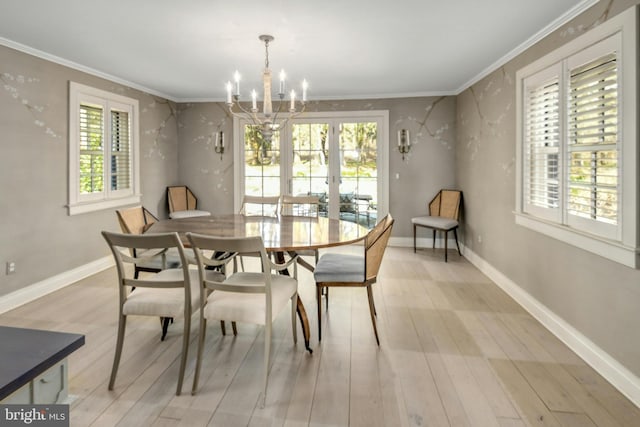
[103, 150]
[341, 157]
[577, 142]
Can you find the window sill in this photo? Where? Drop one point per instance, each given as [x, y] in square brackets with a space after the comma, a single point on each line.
[80, 208]
[614, 251]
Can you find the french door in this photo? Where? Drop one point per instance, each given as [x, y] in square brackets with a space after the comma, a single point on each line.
[342, 158]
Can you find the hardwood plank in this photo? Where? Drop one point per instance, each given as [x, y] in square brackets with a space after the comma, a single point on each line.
[473, 399]
[491, 387]
[623, 410]
[488, 346]
[365, 396]
[554, 396]
[331, 398]
[423, 404]
[589, 404]
[533, 410]
[451, 400]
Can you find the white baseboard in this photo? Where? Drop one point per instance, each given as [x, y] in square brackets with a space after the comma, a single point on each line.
[22, 296]
[619, 376]
[422, 242]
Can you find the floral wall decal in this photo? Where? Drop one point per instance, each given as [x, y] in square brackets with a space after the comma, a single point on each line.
[17, 88]
[161, 139]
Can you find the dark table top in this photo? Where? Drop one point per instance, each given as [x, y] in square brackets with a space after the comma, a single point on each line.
[26, 353]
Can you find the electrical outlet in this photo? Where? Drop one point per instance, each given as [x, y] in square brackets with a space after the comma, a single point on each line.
[11, 267]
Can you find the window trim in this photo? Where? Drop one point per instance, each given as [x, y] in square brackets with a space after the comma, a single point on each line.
[624, 248]
[79, 204]
[330, 116]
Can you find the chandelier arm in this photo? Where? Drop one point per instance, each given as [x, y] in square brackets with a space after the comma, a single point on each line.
[244, 113]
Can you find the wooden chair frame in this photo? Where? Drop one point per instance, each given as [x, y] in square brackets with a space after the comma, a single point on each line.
[247, 283]
[135, 221]
[445, 204]
[375, 244]
[181, 198]
[154, 243]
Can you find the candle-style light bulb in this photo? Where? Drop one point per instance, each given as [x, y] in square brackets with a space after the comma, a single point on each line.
[305, 85]
[283, 76]
[293, 100]
[254, 100]
[229, 89]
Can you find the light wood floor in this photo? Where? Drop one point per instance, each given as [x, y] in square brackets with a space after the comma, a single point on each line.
[454, 350]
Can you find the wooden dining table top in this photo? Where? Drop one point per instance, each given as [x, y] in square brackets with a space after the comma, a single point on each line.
[280, 233]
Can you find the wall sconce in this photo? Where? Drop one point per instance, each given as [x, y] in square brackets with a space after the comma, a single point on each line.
[404, 142]
[219, 144]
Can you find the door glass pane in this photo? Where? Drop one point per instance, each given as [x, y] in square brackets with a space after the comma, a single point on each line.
[358, 172]
[261, 163]
[310, 162]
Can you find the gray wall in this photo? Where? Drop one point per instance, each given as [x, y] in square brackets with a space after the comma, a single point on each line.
[598, 297]
[35, 229]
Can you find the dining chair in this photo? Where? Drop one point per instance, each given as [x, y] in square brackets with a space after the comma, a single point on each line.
[444, 214]
[299, 205]
[260, 205]
[136, 220]
[170, 293]
[305, 206]
[183, 203]
[249, 297]
[345, 270]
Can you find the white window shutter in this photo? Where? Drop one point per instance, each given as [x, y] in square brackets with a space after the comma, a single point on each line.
[593, 141]
[541, 149]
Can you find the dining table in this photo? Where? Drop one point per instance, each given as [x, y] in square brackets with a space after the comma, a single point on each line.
[281, 234]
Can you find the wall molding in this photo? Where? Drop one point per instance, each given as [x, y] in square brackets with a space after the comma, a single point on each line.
[612, 370]
[30, 293]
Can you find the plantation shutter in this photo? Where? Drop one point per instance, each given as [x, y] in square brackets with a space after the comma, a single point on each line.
[593, 150]
[542, 144]
[91, 167]
[120, 151]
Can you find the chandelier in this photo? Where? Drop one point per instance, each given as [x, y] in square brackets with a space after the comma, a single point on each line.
[268, 120]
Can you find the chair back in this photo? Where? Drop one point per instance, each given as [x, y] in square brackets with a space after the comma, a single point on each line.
[226, 249]
[374, 246]
[150, 246]
[446, 204]
[180, 198]
[260, 206]
[135, 220]
[299, 205]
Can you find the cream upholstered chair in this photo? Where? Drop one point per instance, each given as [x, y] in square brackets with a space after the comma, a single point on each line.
[299, 205]
[260, 206]
[183, 203]
[170, 293]
[135, 221]
[341, 270]
[250, 297]
[444, 213]
[305, 206]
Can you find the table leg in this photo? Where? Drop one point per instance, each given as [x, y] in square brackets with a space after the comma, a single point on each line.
[302, 313]
[304, 323]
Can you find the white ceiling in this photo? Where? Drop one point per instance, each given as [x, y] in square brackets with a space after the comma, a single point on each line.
[187, 50]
